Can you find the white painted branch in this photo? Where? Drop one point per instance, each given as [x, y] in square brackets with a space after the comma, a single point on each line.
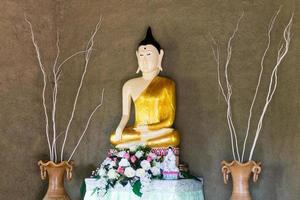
[54, 99]
[63, 62]
[87, 57]
[57, 72]
[58, 136]
[270, 28]
[272, 86]
[229, 52]
[227, 96]
[228, 115]
[44, 86]
[216, 52]
[87, 125]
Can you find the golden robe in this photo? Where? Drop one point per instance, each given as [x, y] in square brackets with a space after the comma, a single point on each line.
[154, 108]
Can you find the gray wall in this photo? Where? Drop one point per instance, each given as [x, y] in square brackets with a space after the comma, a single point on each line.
[183, 28]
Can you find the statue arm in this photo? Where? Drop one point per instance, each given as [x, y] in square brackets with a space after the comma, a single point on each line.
[126, 104]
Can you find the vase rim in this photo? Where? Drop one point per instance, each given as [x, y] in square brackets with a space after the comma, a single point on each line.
[240, 163]
[62, 163]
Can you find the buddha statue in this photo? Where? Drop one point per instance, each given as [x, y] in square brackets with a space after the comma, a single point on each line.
[154, 101]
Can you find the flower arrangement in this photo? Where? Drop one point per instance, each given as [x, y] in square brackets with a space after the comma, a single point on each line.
[136, 167]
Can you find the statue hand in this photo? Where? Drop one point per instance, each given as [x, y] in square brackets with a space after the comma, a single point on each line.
[118, 134]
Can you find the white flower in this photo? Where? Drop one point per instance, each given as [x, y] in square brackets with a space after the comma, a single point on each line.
[140, 172]
[155, 170]
[112, 164]
[129, 172]
[124, 163]
[121, 154]
[152, 155]
[139, 154]
[101, 171]
[145, 164]
[106, 161]
[112, 174]
[94, 173]
[133, 148]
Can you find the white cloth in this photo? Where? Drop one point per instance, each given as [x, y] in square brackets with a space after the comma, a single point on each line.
[183, 189]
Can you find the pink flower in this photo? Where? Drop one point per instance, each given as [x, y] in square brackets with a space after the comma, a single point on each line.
[133, 159]
[120, 170]
[110, 152]
[149, 158]
[127, 155]
[115, 159]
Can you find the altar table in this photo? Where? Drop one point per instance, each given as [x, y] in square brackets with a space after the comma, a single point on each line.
[182, 189]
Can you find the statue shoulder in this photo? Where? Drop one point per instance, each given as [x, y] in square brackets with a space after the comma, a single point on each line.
[130, 83]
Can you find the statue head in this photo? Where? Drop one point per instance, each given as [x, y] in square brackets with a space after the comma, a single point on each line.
[149, 54]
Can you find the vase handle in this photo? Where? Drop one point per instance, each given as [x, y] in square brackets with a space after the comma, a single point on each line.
[69, 169]
[43, 170]
[256, 171]
[226, 171]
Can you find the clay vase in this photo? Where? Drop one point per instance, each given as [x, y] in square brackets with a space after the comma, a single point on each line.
[56, 172]
[240, 173]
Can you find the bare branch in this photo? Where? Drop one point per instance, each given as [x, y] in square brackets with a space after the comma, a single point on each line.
[54, 98]
[227, 96]
[272, 85]
[44, 86]
[273, 81]
[229, 52]
[87, 125]
[63, 62]
[228, 115]
[89, 48]
[270, 28]
[56, 138]
[216, 52]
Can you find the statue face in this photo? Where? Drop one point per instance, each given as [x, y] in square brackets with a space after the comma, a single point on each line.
[149, 59]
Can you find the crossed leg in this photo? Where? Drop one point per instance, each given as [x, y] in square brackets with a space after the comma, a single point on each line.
[155, 138]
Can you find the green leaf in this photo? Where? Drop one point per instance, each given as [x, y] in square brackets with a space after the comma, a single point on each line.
[95, 190]
[82, 189]
[187, 175]
[136, 188]
[123, 182]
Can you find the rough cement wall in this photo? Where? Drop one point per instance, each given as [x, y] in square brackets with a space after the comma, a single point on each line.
[183, 28]
[22, 140]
